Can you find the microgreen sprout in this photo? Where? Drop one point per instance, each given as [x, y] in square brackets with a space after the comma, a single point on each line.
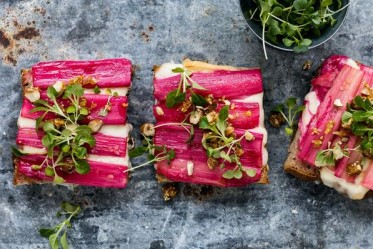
[178, 96]
[155, 153]
[58, 235]
[330, 156]
[65, 139]
[358, 119]
[294, 23]
[220, 143]
[105, 111]
[292, 111]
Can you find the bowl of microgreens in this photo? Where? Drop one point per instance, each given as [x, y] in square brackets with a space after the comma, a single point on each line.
[294, 25]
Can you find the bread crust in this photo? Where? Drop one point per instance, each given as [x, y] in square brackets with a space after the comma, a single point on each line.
[296, 167]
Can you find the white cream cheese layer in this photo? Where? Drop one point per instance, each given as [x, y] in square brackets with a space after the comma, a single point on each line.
[26, 122]
[122, 91]
[165, 70]
[312, 104]
[122, 161]
[33, 150]
[354, 191]
[116, 130]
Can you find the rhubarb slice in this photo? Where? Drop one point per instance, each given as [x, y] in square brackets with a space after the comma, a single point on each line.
[211, 118]
[72, 126]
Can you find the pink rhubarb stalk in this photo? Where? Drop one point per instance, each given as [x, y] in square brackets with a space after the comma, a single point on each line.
[353, 142]
[221, 83]
[243, 115]
[105, 145]
[95, 102]
[107, 73]
[100, 174]
[177, 171]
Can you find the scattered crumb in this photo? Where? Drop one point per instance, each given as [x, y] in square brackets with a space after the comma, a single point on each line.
[170, 191]
[197, 191]
[276, 119]
[307, 65]
[145, 36]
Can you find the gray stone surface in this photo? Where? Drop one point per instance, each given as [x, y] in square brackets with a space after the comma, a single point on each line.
[287, 213]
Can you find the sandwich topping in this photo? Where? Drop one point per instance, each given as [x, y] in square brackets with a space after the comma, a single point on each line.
[338, 136]
[206, 131]
[75, 125]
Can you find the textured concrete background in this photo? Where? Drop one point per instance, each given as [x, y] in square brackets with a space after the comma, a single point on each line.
[287, 213]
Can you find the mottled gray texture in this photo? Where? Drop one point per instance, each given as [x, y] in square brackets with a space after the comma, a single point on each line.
[137, 217]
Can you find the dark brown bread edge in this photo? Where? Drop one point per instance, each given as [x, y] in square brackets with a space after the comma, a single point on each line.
[20, 179]
[297, 168]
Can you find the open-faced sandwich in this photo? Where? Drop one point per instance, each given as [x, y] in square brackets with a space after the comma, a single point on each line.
[210, 124]
[72, 127]
[334, 142]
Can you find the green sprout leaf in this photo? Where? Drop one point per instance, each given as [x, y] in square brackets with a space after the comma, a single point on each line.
[199, 100]
[290, 114]
[178, 70]
[96, 90]
[175, 98]
[82, 167]
[229, 174]
[58, 234]
[138, 151]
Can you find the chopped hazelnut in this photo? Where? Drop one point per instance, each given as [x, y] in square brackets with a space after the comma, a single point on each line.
[59, 86]
[317, 143]
[307, 65]
[239, 152]
[249, 136]
[226, 102]
[212, 117]
[348, 124]
[276, 119]
[210, 98]
[354, 168]
[95, 125]
[195, 117]
[58, 122]
[169, 191]
[32, 93]
[315, 131]
[212, 162]
[229, 130]
[147, 129]
[185, 106]
[329, 127]
[159, 110]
